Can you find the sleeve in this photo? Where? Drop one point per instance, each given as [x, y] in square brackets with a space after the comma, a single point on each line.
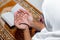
[52, 38]
[45, 35]
[44, 30]
[35, 37]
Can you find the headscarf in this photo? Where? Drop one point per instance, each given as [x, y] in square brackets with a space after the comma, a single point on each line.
[51, 12]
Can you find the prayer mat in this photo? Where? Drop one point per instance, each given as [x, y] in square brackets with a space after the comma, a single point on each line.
[7, 33]
[3, 2]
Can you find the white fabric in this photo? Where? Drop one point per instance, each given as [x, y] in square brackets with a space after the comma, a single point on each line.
[44, 30]
[36, 3]
[51, 11]
[45, 35]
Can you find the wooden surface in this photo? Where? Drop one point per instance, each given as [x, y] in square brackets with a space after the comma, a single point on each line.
[14, 33]
[11, 3]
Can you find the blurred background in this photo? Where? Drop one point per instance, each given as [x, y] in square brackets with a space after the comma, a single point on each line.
[7, 33]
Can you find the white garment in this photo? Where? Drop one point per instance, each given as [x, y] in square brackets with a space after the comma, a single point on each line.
[51, 11]
[45, 35]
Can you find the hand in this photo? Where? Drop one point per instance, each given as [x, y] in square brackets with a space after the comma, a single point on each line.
[22, 16]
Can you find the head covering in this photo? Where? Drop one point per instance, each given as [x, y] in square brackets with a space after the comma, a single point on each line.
[51, 12]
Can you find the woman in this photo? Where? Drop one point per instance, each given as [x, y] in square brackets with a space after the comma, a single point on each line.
[51, 12]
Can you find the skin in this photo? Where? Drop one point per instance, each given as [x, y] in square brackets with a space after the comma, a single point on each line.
[22, 16]
[19, 16]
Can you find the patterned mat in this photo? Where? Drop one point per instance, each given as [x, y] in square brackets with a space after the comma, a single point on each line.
[36, 13]
[3, 2]
[5, 33]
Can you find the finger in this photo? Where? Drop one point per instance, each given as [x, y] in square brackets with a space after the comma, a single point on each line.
[25, 16]
[17, 22]
[24, 11]
[20, 13]
[15, 16]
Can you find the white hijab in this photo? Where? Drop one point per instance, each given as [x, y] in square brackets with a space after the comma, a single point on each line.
[51, 11]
